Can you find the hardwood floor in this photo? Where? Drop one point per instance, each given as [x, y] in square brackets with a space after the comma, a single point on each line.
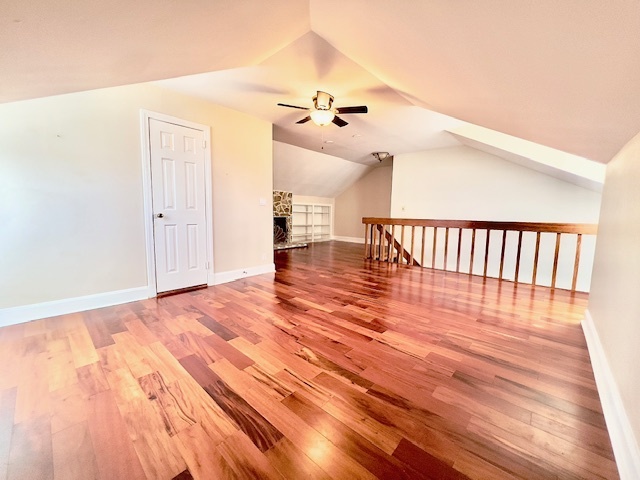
[336, 368]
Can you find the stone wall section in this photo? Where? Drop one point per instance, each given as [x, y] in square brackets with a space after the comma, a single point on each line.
[283, 207]
[282, 203]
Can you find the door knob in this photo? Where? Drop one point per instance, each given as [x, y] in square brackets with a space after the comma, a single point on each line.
[159, 215]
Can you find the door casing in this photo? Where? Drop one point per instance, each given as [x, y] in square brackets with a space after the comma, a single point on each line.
[145, 115]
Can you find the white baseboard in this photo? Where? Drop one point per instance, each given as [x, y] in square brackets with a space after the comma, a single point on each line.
[348, 239]
[623, 441]
[26, 313]
[230, 276]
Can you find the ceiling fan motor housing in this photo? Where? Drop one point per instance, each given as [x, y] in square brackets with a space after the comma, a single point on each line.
[323, 101]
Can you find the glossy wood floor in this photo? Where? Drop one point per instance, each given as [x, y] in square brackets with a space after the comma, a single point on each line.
[337, 368]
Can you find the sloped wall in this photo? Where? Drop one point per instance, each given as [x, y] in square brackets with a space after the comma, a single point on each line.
[309, 173]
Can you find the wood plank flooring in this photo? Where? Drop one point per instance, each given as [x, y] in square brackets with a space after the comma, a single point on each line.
[334, 367]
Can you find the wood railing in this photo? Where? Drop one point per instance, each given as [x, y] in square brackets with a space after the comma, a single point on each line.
[438, 241]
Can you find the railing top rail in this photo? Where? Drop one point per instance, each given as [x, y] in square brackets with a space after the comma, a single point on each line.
[544, 227]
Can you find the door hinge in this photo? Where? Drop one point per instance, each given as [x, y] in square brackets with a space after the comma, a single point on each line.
[204, 144]
[206, 265]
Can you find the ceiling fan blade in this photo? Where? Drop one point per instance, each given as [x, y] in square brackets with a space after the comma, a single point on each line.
[292, 106]
[360, 109]
[339, 122]
[304, 120]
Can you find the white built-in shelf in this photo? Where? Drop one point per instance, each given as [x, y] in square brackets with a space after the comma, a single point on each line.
[311, 223]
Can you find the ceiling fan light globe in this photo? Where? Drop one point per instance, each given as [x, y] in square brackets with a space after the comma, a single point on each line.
[322, 117]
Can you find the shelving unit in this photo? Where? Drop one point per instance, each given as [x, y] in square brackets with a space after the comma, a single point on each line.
[311, 223]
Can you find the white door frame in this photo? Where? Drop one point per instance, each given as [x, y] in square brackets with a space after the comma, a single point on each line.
[145, 115]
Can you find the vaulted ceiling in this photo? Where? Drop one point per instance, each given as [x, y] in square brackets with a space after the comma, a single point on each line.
[564, 74]
[294, 74]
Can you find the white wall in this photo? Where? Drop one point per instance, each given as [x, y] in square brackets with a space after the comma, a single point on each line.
[370, 196]
[462, 183]
[614, 302]
[313, 199]
[71, 191]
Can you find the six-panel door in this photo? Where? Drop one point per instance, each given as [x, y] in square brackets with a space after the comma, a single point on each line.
[178, 184]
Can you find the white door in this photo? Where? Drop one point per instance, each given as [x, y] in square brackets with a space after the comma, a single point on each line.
[178, 186]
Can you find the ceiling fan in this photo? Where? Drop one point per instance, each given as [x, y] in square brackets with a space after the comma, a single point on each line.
[323, 112]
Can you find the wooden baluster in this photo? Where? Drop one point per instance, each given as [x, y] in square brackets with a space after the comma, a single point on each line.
[535, 259]
[366, 240]
[459, 247]
[373, 242]
[372, 246]
[381, 244]
[504, 244]
[555, 261]
[413, 235]
[422, 251]
[392, 242]
[401, 242]
[518, 256]
[388, 235]
[446, 248]
[473, 248]
[486, 253]
[576, 263]
[435, 242]
[383, 252]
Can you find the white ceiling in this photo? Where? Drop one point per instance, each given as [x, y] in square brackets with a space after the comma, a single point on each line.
[564, 74]
[294, 74]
